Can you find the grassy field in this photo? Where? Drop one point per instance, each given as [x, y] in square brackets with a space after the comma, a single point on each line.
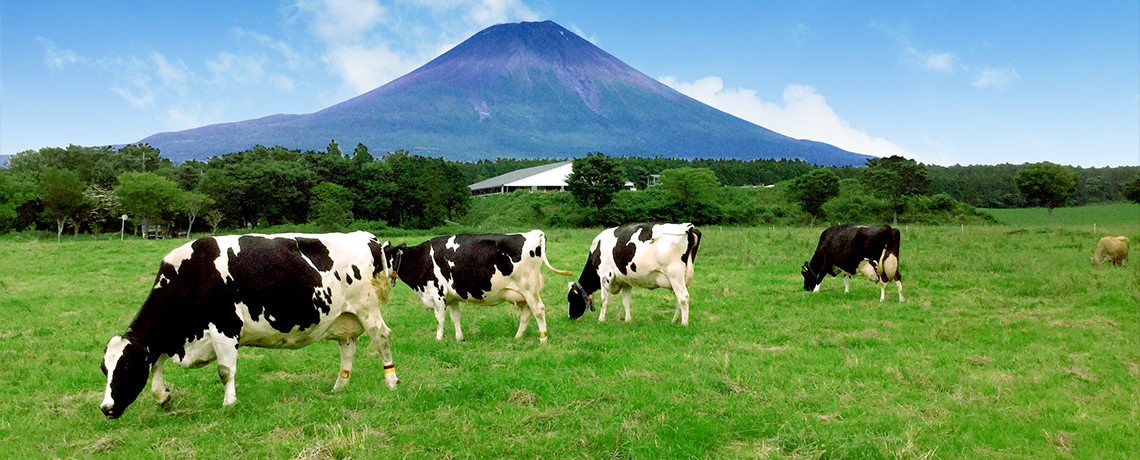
[1087, 216]
[1010, 345]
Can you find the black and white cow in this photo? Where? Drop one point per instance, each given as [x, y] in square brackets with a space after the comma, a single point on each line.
[216, 294]
[850, 249]
[486, 269]
[637, 255]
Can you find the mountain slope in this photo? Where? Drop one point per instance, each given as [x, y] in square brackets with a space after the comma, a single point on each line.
[522, 90]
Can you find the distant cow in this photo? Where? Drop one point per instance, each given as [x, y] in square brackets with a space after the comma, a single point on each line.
[486, 269]
[1111, 248]
[216, 294]
[637, 255]
[850, 249]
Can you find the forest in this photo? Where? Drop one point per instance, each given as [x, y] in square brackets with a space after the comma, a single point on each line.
[89, 189]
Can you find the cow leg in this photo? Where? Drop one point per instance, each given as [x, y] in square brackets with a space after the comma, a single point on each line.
[882, 291]
[227, 350]
[899, 283]
[682, 293]
[846, 283]
[347, 352]
[626, 300]
[158, 383]
[453, 308]
[524, 319]
[534, 303]
[381, 337]
[439, 307]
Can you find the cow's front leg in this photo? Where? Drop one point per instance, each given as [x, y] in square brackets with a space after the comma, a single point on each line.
[347, 352]
[626, 300]
[382, 339]
[454, 310]
[524, 318]
[227, 350]
[158, 382]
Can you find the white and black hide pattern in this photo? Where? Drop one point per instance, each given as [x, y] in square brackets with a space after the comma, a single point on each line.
[853, 249]
[216, 294]
[646, 255]
[478, 269]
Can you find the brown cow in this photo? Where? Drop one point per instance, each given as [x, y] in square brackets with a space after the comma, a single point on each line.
[1111, 248]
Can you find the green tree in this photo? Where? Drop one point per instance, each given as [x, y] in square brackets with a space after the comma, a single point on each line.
[813, 189]
[595, 180]
[893, 179]
[192, 205]
[103, 205]
[16, 190]
[1046, 183]
[1131, 190]
[330, 206]
[147, 196]
[61, 192]
[692, 194]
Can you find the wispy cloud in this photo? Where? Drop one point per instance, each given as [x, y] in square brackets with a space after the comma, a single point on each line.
[803, 114]
[999, 77]
[57, 58]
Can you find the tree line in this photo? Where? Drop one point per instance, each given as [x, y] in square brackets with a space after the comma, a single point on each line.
[90, 188]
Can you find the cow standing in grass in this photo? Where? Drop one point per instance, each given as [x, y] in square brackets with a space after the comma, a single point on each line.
[1111, 249]
[486, 269]
[637, 255]
[216, 294]
[850, 249]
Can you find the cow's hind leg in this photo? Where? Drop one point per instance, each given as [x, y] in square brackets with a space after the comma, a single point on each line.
[682, 293]
[534, 303]
[524, 318]
[453, 308]
[158, 383]
[347, 352]
[626, 300]
[846, 283]
[227, 350]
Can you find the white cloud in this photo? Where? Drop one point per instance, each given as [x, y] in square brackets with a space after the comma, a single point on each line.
[803, 114]
[365, 68]
[55, 57]
[942, 62]
[581, 33]
[996, 77]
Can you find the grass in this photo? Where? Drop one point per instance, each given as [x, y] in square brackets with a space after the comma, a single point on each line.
[1011, 345]
[1099, 214]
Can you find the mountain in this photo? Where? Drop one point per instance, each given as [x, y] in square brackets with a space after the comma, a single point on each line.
[519, 90]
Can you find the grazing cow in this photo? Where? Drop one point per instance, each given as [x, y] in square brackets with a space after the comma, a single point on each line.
[486, 269]
[637, 255]
[216, 294]
[850, 249]
[1111, 248]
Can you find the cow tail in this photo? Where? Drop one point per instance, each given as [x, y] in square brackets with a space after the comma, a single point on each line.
[542, 242]
[694, 237]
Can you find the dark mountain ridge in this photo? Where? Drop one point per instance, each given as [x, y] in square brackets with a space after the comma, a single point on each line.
[520, 90]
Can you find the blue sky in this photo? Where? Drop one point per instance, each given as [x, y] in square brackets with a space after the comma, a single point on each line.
[940, 82]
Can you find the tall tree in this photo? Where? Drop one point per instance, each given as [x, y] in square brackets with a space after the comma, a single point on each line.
[595, 180]
[61, 192]
[147, 196]
[692, 193]
[813, 189]
[1131, 190]
[894, 178]
[1046, 183]
[192, 204]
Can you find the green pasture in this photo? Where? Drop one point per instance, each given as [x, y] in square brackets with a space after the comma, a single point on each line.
[1083, 216]
[1010, 345]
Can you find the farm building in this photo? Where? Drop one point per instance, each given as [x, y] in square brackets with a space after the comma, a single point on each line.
[546, 177]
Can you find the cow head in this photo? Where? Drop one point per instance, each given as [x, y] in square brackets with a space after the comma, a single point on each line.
[810, 279]
[127, 367]
[393, 256]
[579, 299]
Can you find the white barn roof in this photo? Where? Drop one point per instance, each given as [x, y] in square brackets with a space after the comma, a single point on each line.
[544, 177]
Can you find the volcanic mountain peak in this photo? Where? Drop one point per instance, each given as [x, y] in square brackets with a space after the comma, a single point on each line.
[520, 90]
